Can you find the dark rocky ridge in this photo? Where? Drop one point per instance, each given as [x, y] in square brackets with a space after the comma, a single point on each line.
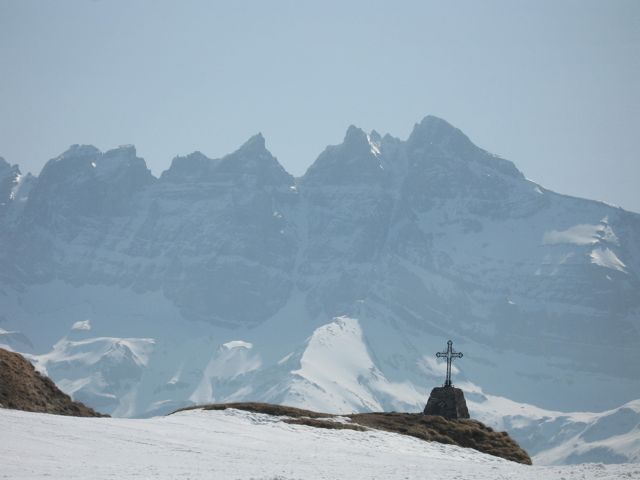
[23, 388]
[462, 432]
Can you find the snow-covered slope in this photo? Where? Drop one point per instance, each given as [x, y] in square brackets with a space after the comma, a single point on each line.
[563, 438]
[332, 370]
[103, 371]
[419, 240]
[336, 373]
[243, 445]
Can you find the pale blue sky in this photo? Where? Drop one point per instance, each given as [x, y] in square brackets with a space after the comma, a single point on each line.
[551, 85]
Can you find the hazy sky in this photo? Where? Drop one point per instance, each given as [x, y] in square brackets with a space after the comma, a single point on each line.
[553, 86]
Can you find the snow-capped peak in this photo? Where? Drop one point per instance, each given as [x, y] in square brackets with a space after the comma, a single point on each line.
[337, 373]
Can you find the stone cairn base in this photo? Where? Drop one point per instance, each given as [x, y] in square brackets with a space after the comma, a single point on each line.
[447, 402]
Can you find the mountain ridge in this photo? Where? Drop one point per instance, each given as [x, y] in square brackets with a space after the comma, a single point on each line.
[420, 240]
[428, 124]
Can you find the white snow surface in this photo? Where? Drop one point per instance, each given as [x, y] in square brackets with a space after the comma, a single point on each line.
[233, 359]
[553, 438]
[82, 325]
[606, 258]
[333, 370]
[337, 373]
[243, 445]
[583, 234]
[238, 344]
[90, 351]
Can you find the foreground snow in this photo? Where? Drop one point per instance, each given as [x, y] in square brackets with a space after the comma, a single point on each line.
[333, 370]
[236, 444]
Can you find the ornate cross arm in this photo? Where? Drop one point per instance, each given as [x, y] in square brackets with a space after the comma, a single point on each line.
[450, 354]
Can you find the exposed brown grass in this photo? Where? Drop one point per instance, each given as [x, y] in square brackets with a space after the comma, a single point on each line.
[464, 432]
[23, 388]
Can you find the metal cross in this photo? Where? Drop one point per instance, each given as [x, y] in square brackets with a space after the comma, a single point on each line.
[450, 354]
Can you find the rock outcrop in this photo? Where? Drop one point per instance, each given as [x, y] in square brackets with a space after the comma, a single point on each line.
[447, 402]
[22, 387]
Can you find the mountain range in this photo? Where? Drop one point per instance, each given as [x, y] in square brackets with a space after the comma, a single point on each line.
[229, 279]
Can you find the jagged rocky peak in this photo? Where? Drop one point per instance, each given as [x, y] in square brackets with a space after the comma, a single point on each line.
[122, 152]
[78, 151]
[8, 173]
[74, 161]
[433, 129]
[190, 168]
[357, 141]
[436, 140]
[355, 136]
[84, 181]
[356, 160]
[9, 181]
[88, 162]
[434, 137]
[256, 144]
[253, 149]
[253, 162]
[123, 161]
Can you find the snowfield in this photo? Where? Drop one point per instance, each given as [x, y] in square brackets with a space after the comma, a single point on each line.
[234, 444]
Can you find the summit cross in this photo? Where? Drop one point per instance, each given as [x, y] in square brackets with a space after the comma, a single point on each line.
[450, 354]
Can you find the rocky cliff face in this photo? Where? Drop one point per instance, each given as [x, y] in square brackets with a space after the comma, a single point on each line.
[421, 240]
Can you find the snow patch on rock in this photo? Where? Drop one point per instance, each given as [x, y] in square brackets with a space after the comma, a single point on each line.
[84, 325]
[604, 257]
[237, 344]
[232, 360]
[583, 234]
[555, 438]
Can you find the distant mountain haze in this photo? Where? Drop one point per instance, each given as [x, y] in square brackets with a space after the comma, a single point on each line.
[229, 279]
